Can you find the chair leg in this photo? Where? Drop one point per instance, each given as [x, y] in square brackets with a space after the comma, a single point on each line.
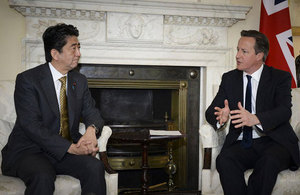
[103, 157]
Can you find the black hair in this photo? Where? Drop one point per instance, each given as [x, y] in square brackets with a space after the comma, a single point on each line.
[55, 37]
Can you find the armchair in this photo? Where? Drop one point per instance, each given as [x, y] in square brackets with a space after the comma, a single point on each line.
[211, 143]
[64, 184]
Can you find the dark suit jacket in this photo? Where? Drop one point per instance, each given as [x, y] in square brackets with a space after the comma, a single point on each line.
[38, 117]
[273, 107]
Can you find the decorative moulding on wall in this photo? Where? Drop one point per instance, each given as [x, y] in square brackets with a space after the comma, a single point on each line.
[180, 13]
[194, 36]
[60, 13]
[90, 31]
[134, 27]
[199, 21]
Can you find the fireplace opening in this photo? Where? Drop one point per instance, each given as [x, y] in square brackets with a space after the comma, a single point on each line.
[133, 106]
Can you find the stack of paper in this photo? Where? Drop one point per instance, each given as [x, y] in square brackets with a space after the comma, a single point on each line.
[164, 132]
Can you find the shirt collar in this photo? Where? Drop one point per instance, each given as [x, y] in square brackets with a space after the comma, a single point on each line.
[55, 73]
[256, 75]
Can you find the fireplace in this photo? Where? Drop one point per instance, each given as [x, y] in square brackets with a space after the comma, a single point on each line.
[154, 97]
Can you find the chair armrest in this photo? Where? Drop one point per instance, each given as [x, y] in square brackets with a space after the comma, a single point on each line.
[211, 143]
[103, 139]
[297, 129]
[102, 142]
[210, 138]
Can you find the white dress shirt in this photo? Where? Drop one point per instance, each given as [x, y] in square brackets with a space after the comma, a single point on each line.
[56, 75]
[254, 84]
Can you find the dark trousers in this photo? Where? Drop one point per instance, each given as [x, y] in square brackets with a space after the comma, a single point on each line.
[266, 157]
[39, 174]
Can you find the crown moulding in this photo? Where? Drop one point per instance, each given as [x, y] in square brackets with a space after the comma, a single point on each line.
[61, 13]
[174, 13]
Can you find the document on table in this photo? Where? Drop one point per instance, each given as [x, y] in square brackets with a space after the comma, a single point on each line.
[164, 132]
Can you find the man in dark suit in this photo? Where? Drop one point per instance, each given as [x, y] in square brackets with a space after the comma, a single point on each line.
[44, 142]
[257, 100]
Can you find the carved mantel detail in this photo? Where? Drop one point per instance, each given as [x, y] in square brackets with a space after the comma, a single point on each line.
[175, 13]
[200, 21]
[198, 37]
[79, 14]
[33, 11]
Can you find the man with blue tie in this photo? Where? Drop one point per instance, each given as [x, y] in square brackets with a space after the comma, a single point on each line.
[256, 99]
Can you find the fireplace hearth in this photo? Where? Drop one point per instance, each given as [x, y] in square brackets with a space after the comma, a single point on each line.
[153, 97]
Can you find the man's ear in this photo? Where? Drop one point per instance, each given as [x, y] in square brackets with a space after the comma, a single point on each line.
[54, 54]
[260, 56]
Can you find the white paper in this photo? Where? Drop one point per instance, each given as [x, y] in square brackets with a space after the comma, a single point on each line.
[164, 132]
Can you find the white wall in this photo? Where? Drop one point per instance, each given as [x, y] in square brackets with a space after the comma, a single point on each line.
[251, 22]
[12, 31]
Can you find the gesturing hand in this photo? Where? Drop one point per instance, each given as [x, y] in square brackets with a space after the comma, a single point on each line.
[243, 117]
[222, 114]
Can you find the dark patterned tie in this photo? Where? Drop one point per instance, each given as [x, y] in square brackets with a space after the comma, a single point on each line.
[64, 117]
[247, 131]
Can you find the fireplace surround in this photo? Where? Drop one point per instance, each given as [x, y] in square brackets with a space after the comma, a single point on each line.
[152, 97]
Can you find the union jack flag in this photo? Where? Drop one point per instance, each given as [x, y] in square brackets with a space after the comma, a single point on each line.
[276, 25]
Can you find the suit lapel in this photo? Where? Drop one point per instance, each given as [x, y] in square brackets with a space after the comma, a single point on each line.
[71, 98]
[240, 84]
[263, 86]
[237, 89]
[49, 89]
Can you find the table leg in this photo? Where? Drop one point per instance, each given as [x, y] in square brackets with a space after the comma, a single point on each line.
[145, 168]
[171, 167]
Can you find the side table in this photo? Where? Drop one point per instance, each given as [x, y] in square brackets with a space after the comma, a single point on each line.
[144, 138]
